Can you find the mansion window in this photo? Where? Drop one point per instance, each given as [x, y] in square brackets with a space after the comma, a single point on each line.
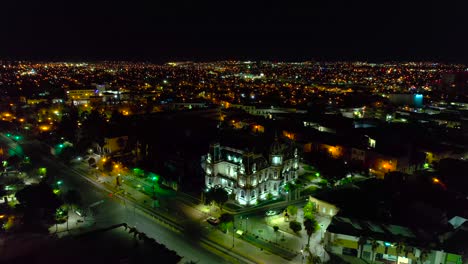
[242, 194]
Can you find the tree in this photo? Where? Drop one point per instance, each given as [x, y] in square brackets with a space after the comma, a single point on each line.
[374, 246]
[424, 255]
[292, 210]
[226, 221]
[68, 125]
[269, 196]
[309, 210]
[400, 246]
[3, 193]
[108, 166]
[218, 195]
[295, 226]
[226, 218]
[313, 259]
[311, 226]
[94, 128]
[91, 162]
[38, 202]
[66, 154]
[361, 242]
[72, 197]
[276, 228]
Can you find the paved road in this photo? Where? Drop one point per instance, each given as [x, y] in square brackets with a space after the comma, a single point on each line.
[113, 211]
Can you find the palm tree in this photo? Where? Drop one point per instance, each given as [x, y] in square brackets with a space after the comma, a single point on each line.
[374, 246]
[311, 226]
[3, 193]
[424, 255]
[276, 228]
[361, 242]
[400, 246]
[72, 197]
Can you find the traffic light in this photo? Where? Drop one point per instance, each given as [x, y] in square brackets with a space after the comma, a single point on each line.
[59, 182]
[8, 135]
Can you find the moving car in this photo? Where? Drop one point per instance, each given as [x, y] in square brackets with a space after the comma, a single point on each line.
[272, 212]
[81, 212]
[213, 220]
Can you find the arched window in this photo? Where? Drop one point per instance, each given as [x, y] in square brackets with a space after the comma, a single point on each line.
[274, 187]
[253, 194]
[242, 194]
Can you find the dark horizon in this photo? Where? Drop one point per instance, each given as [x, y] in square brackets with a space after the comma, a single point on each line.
[208, 31]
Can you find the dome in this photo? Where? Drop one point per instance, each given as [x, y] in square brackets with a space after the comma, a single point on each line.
[275, 147]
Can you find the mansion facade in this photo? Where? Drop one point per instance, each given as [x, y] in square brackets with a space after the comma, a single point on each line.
[250, 176]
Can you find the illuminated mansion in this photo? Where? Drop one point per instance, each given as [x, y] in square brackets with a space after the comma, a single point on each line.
[249, 176]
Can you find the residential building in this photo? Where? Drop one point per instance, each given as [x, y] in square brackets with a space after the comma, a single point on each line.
[388, 243]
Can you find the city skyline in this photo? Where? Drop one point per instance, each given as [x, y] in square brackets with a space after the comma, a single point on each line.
[180, 30]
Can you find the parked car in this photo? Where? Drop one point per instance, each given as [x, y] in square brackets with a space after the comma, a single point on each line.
[272, 212]
[213, 220]
[80, 212]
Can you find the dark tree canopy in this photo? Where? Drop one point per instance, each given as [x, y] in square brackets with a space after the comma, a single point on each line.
[68, 126]
[39, 204]
[295, 226]
[218, 195]
[226, 218]
[38, 196]
[72, 196]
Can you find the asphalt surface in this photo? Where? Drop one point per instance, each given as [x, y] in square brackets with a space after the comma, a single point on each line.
[114, 211]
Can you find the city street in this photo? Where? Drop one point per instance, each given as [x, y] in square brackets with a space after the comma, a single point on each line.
[198, 240]
[113, 211]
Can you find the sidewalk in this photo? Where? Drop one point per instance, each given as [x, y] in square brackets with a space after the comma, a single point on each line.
[261, 244]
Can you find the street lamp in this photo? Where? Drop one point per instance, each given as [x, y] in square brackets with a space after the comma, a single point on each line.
[302, 254]
[154, 179]
[233, 230]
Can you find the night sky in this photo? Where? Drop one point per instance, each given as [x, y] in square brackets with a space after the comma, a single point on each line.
[249, 30]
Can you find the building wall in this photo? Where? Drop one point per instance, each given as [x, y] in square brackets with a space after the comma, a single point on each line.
[249, 188]
[339, 243]
[112, 145]
[324, 208]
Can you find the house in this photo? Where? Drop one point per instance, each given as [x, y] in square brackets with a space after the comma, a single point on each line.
[387, 243]
[114, 145]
